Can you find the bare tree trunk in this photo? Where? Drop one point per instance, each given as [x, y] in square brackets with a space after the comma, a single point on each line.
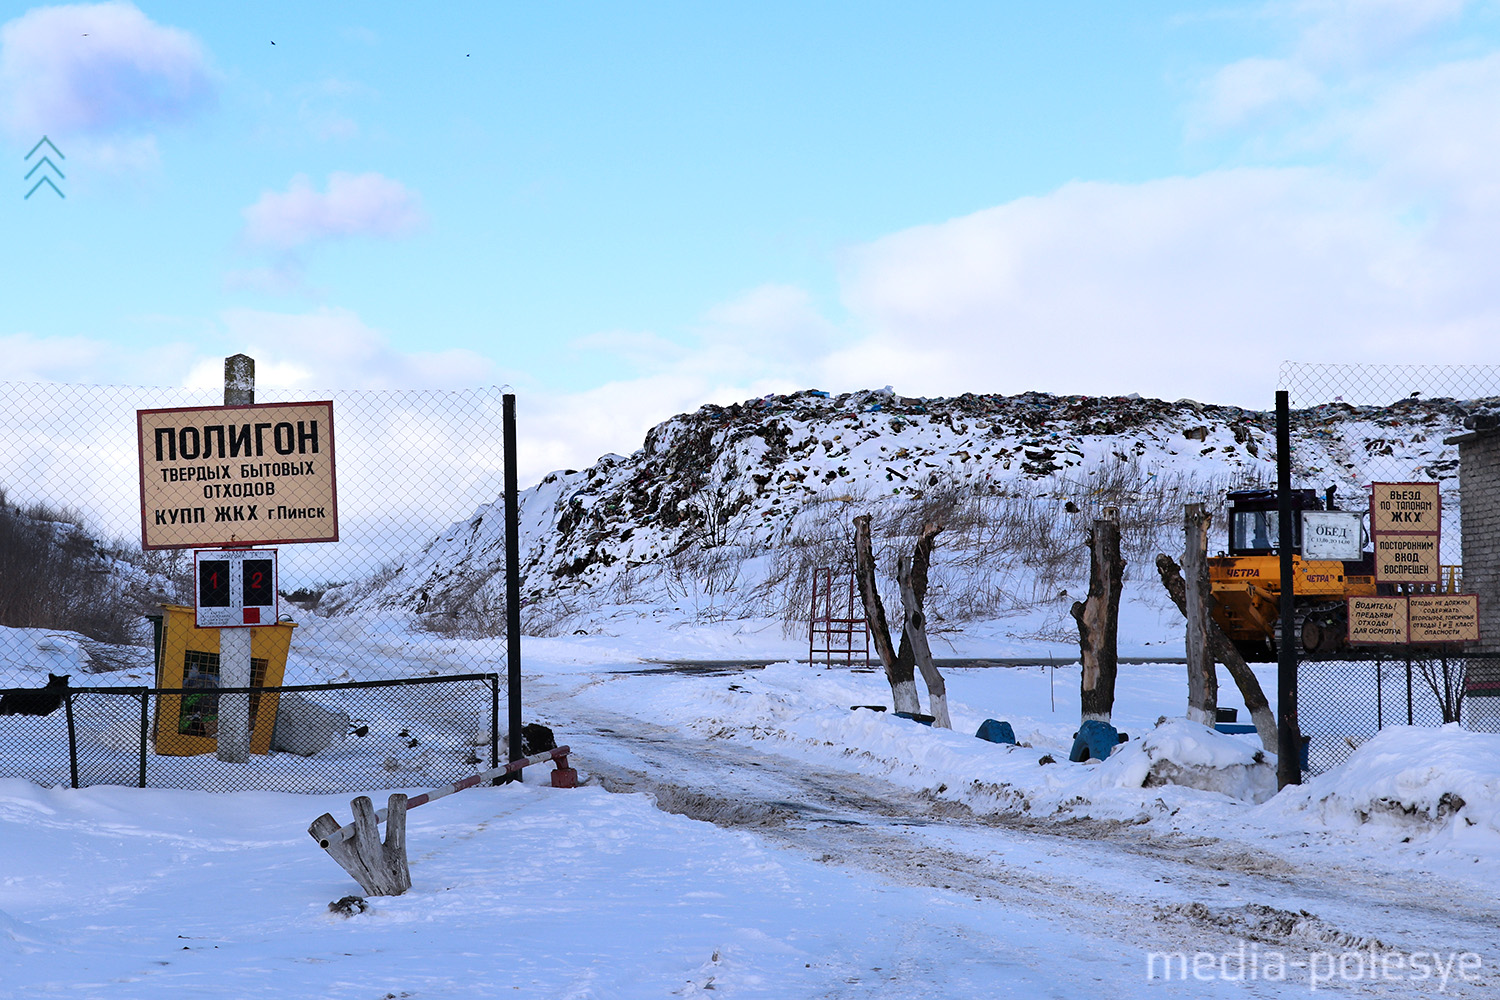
[1203, 682]
[1223, 650]
[903, 681]
[1098, 618]
[1448, 685]
[912, 577]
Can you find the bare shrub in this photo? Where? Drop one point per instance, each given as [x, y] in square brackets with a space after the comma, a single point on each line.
[465, 609]
[550, 616]
[53, 574]
[1007, 547]
[822, 535]
[711, 580]
[174, 567]
[1448, 682]
[625, 587]
[336, 598]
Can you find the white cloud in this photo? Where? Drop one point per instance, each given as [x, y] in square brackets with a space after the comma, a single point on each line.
[287, 276]
[639, 349]
[1432, 134]
[97, 69]
[771, 332]
[321, 349]
[1348, 34]
[25, 357]
[1201, 285]
[1251, 86]
[333, 348]
[319, 108]
[369, 205]
[1196, 286]
[777, 323]
[1334, 51]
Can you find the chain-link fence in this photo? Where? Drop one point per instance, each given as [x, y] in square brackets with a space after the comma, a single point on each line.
[326, 737]
[1345, 702]
[1354, 425]
[76, 589]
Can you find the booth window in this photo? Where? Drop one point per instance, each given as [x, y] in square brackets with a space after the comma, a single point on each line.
[199, 715]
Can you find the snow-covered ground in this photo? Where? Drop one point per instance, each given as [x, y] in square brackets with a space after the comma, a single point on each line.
[743, 831]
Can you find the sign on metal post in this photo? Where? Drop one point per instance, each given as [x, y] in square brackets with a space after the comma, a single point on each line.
[236, 588]
[1405, 508]
[1406, 526]
[1333, 534]
[1377, 620]
[1443, 618]
[237, 475]
[1418, 619]
[1407, 559]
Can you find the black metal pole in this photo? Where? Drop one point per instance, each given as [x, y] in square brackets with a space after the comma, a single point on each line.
[72, 742]
[1379, 699]
[1448, 700]
[145, 719]
[1289, 739]
[512, 577]
[1408, 690]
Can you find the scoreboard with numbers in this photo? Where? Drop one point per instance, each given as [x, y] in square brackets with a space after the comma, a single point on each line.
[235, 588]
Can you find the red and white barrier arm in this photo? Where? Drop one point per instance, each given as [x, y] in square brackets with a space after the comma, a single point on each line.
[422, 798]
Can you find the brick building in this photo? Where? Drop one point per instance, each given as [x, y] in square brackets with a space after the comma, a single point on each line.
[1479, 485]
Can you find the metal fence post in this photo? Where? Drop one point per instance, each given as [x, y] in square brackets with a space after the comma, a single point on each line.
[72, 742]
[1379, 702]
[1288, 744]
[1409, 716]
[512, 576]
[145, 700]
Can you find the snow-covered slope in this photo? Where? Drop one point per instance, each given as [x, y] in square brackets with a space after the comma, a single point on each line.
[723, 512]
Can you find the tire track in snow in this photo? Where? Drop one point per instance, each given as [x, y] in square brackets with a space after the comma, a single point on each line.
[1121, 881]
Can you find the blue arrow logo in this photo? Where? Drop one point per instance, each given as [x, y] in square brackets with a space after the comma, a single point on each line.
[45, 161]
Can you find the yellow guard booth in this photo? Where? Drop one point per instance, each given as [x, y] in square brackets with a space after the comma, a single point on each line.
[188, 724]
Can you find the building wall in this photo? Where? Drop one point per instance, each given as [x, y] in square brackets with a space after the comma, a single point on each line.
[1479, 479]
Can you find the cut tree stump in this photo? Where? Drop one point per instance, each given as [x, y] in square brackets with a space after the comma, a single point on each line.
[1098, 617]
[379, 868]
[1203, 683]
[911, 576]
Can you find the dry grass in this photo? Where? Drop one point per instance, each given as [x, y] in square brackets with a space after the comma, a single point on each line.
[1003, 550]
[54, 575]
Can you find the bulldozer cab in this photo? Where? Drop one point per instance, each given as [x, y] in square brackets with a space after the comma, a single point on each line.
[1254, 523]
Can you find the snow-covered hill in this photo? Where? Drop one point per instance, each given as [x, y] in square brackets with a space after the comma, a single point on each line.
[724, 512]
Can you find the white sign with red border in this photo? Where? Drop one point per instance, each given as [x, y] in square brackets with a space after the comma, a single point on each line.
[235, 588]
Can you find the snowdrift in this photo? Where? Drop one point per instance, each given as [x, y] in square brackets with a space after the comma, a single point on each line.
[1411, 782]
[1188, 754]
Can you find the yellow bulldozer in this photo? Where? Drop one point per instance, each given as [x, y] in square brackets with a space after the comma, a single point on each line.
[1246, 579]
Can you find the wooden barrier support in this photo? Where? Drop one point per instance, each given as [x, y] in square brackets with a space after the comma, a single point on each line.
[381, 868]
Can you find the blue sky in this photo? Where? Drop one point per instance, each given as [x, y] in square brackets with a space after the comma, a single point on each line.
[625, 210]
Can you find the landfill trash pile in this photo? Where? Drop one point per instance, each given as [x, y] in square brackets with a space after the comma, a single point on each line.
[722, 511]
